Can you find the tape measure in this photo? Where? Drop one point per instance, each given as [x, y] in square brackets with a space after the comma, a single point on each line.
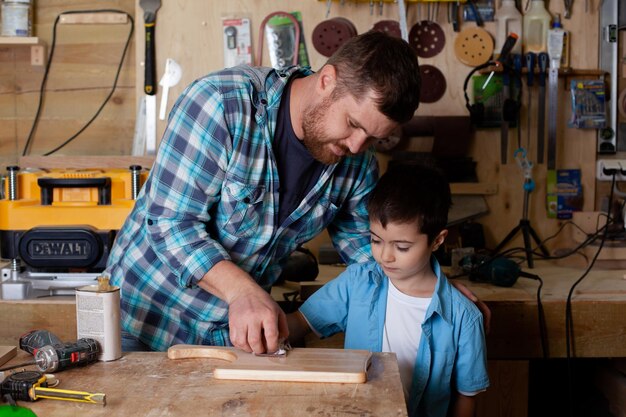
[33, 385]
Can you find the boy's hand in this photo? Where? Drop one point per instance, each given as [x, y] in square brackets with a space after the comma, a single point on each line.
[298, 328]
[480, 304]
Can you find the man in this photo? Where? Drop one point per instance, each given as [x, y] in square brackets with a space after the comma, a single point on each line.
[253, 163]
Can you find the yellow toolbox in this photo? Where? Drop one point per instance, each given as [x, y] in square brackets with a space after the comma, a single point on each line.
[60, 220]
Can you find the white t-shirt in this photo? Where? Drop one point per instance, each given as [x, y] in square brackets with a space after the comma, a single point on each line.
[403, 330]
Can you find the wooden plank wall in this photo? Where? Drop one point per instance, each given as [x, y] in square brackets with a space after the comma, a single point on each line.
[191, 33]
[81, 75]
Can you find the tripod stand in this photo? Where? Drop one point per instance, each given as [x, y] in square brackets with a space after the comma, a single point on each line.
[524, 224]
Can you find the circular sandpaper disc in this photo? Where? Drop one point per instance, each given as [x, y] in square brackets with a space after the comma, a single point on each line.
[330, 34]
[390, 27]
[473, 46]
[433, 84]
[427, 38]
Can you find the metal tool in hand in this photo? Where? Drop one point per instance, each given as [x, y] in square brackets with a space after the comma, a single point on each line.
[33, 385]
[283, 348]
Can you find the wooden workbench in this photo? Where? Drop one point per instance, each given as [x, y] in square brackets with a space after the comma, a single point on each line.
[598, 306]
[149, 384]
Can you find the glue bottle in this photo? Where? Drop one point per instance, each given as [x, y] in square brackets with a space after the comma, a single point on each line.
[536, 26]
[508, 19]
[557, 26]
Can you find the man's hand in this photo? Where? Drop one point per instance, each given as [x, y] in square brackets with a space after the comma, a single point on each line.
[256, 323]
[480, 304]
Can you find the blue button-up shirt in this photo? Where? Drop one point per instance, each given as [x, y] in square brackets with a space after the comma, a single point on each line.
[212, 195]
[451, 354]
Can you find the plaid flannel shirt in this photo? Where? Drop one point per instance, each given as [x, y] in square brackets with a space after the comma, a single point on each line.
[212, 195]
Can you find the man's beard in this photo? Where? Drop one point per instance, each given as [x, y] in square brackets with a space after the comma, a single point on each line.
[315, 140]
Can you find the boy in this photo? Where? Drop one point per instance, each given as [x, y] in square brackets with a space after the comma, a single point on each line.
[403, 303]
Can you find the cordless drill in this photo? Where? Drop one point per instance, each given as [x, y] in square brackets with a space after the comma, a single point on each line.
[51, 354]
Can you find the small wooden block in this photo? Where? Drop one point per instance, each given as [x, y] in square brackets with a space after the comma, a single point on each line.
[7, 353]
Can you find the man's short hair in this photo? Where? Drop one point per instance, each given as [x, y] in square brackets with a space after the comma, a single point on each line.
[386, 65]
[412, 191]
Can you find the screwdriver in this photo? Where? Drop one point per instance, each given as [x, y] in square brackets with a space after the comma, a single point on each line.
[33, 385]
[508, 45]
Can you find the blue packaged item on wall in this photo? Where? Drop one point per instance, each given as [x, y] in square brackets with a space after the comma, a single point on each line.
[588, 104]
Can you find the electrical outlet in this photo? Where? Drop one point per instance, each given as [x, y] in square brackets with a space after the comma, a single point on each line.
[605, 168]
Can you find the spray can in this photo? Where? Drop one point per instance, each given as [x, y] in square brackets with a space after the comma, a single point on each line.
[508, 20]
[98, 317]
[536, 26]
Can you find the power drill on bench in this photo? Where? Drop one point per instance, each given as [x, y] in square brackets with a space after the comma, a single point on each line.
[51, 354]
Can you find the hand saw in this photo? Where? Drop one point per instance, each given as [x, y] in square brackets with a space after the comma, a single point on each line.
[541, 109]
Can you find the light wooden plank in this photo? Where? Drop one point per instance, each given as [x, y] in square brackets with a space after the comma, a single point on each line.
[93, 18]
[7, 353]
[480, 188]
[18, 40]
[298, 365]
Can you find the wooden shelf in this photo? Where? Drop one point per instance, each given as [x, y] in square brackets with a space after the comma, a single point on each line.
[563, 72]
[19, 40]
[473, 188]
[37, 48]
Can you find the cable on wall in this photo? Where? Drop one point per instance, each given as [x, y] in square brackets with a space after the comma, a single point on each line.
[29, 140]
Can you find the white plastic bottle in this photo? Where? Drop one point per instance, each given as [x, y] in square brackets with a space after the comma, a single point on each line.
[536, 26]
[557, 25]
[508, 19]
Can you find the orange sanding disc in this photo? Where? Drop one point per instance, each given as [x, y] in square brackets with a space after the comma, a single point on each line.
[473, 46]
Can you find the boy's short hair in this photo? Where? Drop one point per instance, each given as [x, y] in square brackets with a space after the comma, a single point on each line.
[410, 191]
